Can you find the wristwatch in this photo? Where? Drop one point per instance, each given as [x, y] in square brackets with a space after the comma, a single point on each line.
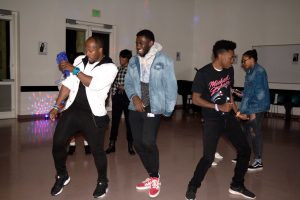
[76, 70]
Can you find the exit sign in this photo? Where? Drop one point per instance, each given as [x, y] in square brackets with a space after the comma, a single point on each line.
[96, 13]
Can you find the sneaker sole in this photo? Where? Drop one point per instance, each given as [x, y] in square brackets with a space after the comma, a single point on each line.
[142, 188]
[219, 157]
[145, 187]
[189, 199]
[153, 196]
[256, 169]
[103, 195]
[65, 183]
[238, 193]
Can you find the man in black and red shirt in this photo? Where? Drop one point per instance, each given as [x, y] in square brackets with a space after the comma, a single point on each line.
[212, 91]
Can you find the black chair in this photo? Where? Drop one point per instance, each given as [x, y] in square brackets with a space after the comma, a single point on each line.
[279, 100]
[271, 112]
[185, 89]
[295, 100]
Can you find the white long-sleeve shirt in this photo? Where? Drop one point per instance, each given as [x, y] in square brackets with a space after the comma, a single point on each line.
[103, 76]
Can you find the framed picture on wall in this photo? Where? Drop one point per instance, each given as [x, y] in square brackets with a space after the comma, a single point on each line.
[295, 58]
[43, 48]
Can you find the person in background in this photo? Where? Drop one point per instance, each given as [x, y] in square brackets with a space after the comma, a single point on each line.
[212, 91]
[254, 104]
[72, 146]
[120, 104]
[151, 86]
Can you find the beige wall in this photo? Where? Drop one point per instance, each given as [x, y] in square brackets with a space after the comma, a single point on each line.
[188, 26]
[248, 23]
[42, 20]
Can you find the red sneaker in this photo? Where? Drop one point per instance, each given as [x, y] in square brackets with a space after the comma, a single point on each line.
[145, 185]
[155, 187]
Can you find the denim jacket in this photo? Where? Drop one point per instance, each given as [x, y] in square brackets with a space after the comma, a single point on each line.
[162, 84]
[256, 97]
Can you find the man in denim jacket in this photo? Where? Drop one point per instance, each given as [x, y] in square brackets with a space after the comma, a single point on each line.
[151, 87]
[255, 101]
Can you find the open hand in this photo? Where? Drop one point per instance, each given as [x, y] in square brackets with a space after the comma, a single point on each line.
[252, 116]
[138, 104]
[53, 114]
[242, 116]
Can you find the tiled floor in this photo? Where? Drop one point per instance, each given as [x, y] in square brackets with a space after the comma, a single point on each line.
[27, 170]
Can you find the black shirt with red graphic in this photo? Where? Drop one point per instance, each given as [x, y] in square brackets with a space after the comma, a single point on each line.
[214, 86]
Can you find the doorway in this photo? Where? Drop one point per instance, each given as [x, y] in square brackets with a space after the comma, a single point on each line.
[76, 34]
[8, 64]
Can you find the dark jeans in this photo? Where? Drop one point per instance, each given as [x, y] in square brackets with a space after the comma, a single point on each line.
[93, 128]
[120, 103]
[231, 129]
[252, 128]
[144, 132]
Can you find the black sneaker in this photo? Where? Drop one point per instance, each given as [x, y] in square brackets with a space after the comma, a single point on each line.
[87, 149]
[130, 149]
[101, 190]
[71, 150]
[256, 165]
[190, 193]
[59, 184]
[242, 191]
[111, 147]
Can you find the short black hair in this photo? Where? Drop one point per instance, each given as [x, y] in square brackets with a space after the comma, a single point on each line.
[251, 54]
[223, 45]
[98, 41]
[147, 34]
[125, 53]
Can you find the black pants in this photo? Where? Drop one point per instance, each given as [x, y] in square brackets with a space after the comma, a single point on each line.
[120, 103]
[252, 128]
[93, 128]
[213, 129]
[144, 132]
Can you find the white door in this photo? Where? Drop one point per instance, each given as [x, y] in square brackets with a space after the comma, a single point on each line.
[8, 64]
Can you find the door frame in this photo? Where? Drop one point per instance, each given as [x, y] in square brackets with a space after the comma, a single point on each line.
[13, 19]
[97, 27]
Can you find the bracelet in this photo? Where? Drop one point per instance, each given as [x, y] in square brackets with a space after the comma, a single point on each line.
[56, 107]
[76, 70]
[217, 108]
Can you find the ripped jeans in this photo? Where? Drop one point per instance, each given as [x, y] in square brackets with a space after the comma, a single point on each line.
[252, 129]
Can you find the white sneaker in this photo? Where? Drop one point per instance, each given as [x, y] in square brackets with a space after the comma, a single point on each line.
[218, 156]
[214, 164]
